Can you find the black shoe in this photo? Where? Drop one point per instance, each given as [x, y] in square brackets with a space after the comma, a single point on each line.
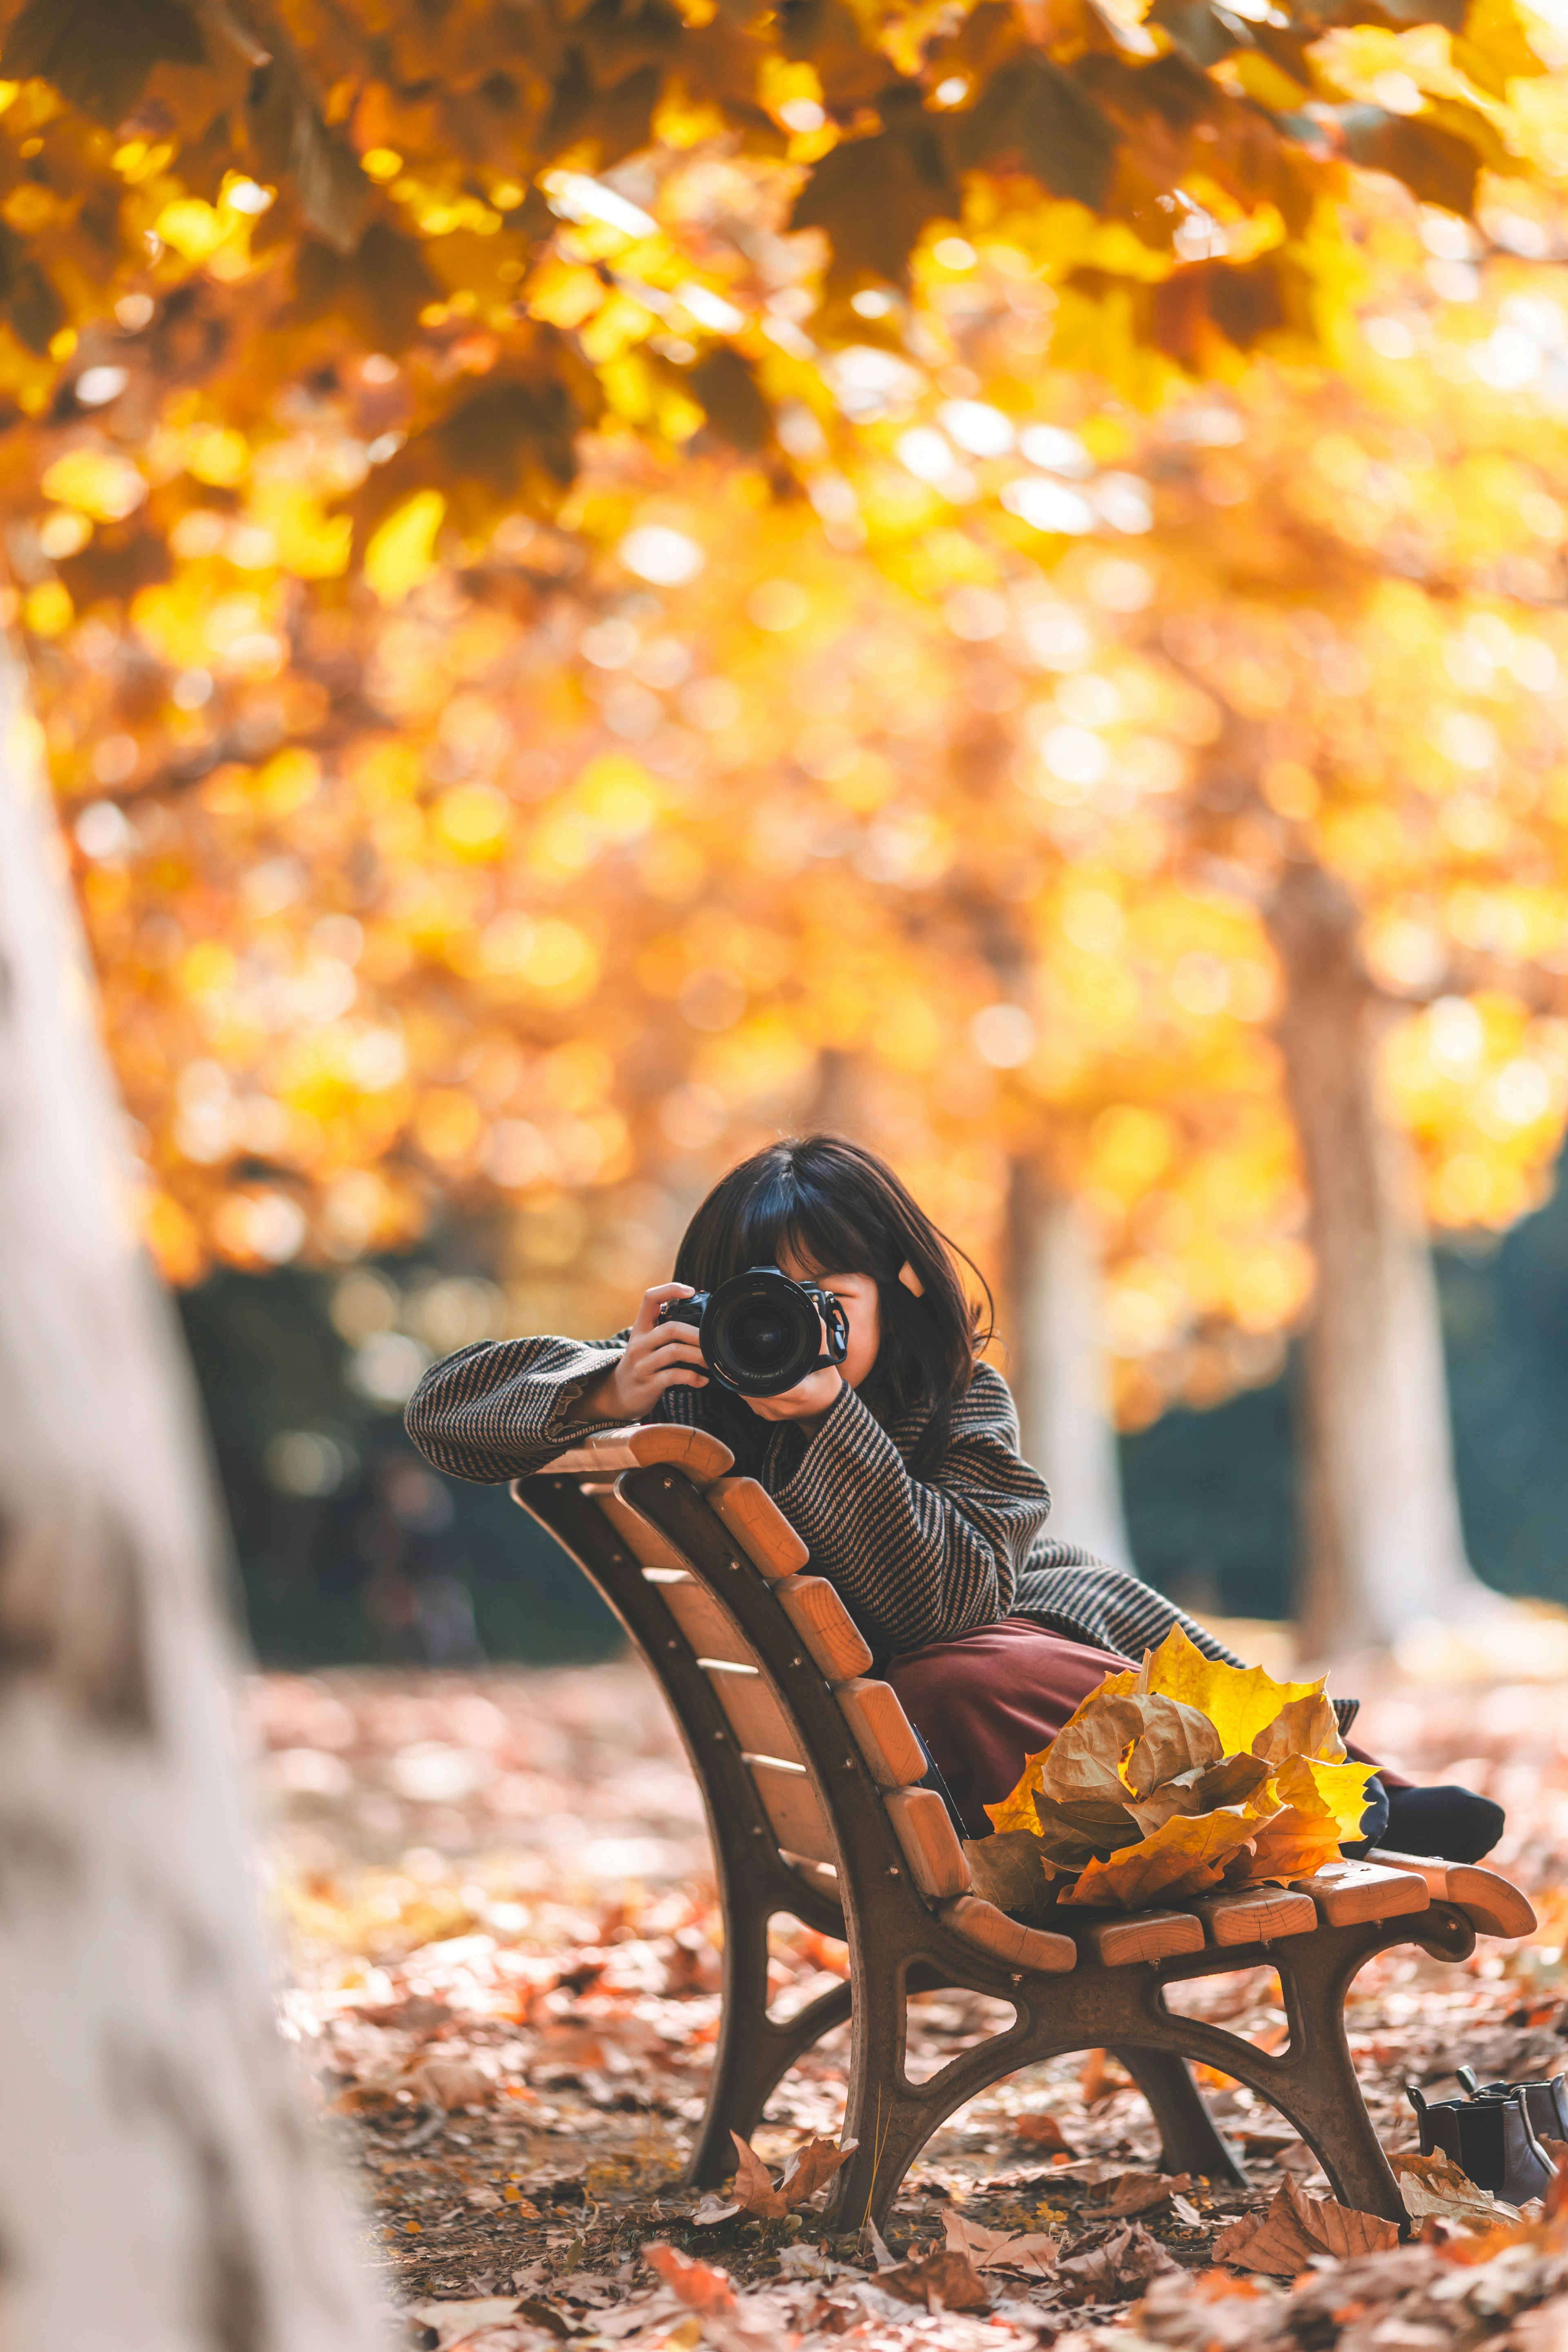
[1450, 1822]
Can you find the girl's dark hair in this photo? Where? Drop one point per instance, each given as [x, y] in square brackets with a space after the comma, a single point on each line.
[841, 1209]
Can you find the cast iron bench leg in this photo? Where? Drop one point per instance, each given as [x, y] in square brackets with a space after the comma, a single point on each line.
[1190, 2141]
[753, 2054]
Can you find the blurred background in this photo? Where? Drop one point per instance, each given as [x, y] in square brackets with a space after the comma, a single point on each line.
[619, 618]
[352, 1549]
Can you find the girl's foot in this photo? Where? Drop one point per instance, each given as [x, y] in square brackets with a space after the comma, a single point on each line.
[1451, 1823]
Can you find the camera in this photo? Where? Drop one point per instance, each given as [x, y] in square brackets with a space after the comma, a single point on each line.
[760, 1332]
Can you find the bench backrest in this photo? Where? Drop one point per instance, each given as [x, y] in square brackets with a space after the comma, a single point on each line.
[808, 1764]
[724, 1574]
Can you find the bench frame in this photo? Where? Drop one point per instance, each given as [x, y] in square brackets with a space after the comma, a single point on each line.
[897, 1944]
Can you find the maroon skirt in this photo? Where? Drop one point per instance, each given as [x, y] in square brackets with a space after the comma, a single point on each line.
[986, 1701]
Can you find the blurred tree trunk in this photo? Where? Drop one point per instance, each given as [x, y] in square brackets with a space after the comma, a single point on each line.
[160, 2189]
[1057, 1367]
[1383, 1543]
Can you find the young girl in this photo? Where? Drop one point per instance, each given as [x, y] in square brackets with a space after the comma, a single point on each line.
[900, 1468]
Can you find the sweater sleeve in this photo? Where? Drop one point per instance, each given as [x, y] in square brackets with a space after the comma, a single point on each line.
[499, 1410]
[919, 1561]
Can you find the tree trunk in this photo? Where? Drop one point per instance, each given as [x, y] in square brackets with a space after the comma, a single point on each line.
[1057, 1367]
[1384, 1545]
[160, 2189]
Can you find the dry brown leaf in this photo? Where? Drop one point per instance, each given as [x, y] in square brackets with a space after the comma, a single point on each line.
[1434, 2188]
[1175, 1739]
[455, 2322]
[1033, 2253]
[1556, 2198]
[1042, 2131]
[1282, 2242]
[753, 2187]
[1138, 2192]
[1184, 1858]
[1010, 1869]
[699, 2286]
[1304, 1726]
[1099, 2076]
[449, 2083]
[1231, 1781]
[945, 2281]
[1119, 2269]
[810, 2166]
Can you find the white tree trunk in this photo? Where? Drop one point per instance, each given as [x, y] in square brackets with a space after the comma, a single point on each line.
[160, 2190]
[1384, 1551]
[1058, 1367]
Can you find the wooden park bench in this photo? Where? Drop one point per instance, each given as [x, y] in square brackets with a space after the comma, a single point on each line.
[810, 1772]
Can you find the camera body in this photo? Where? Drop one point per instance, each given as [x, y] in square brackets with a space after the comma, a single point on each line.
[762, 1333]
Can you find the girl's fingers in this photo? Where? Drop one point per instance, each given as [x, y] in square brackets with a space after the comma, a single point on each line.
[680, 1344]
[681, 1380]
[652, 1300]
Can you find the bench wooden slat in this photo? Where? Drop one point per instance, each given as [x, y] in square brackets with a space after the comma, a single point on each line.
[1255, 1917]
[823, 1876]
[1347, 1890]
[758, 1527]
[933, 1854]
[982, 1924]
[710, 1630]
[1492, 1904]
[702, 1456]
[1117, 1943]
[794, 1811]
[826, 1629]
[756, 1718]
[646, 1545]
[882, 1733]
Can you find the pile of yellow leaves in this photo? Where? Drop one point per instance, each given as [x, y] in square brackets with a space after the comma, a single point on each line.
[1172, 1779]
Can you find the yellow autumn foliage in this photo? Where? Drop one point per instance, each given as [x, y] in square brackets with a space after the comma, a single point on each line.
[1181, 1774]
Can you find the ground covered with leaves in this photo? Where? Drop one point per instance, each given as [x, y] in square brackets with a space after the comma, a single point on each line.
[505, 1974]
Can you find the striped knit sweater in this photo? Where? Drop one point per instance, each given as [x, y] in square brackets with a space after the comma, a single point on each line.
[915, 1559]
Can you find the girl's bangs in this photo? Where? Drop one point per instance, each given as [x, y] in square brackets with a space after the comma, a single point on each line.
[785, 1216]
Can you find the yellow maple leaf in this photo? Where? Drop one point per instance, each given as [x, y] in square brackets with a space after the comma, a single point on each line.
[1185, 1857]
[1241, 1702]
[1320, 1807]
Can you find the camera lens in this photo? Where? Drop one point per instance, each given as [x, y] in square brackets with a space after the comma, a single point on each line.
[762, 1333]
[757, 1336]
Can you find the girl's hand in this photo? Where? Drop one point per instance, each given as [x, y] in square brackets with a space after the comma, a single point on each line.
[658, 1356]
[811, 1402]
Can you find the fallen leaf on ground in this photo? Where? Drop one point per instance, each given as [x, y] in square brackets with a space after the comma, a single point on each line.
[699, 2286]
[1433, 2187]
[1204, 2311]
[1033, 2253]
[810, 2166]
[543, 2314]
[753, 2190]
[1282, 2242]
[453, 2322]
[449, 2083]
[1099, 2076]
[1041, 2131]
[1138, 2192]
[1119, 2269]
[949, 2279]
